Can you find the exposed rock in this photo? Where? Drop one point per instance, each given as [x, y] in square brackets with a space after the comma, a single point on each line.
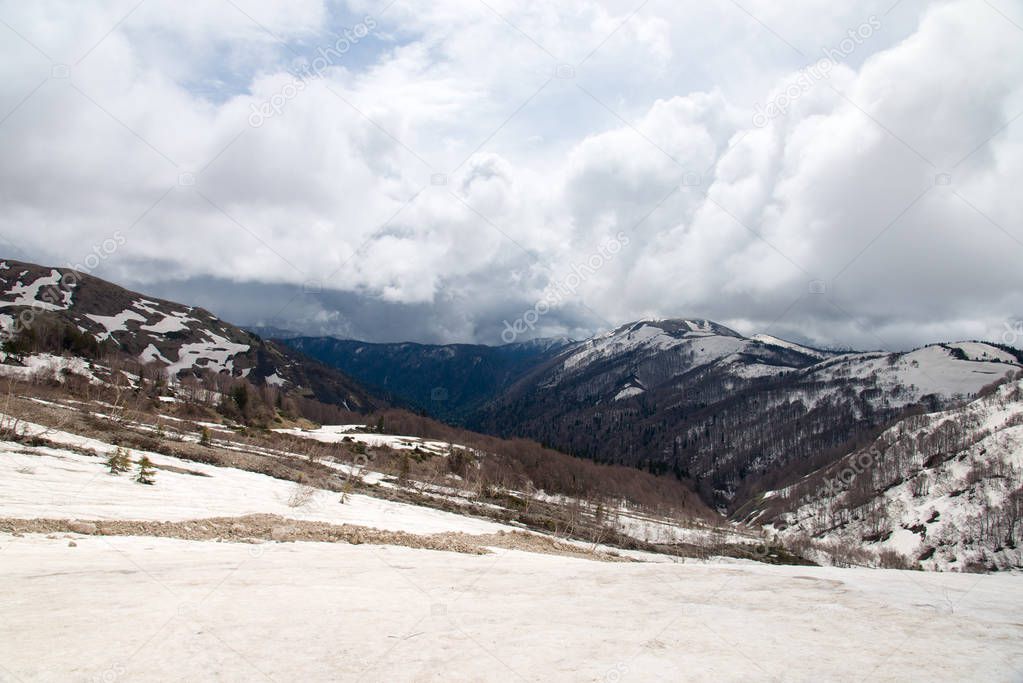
[87, 528]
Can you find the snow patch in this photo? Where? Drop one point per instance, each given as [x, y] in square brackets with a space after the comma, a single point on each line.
[115, 323]
[28, 294]
[628, 392]
[175, 322]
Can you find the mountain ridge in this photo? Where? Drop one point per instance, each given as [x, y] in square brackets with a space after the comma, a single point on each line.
[60, 309]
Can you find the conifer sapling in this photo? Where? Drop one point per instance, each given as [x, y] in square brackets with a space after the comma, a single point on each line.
[146, 471]
[118, 462]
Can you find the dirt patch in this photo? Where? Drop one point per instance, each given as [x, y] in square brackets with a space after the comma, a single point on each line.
[251, 528]
[261, 528]
[532, 543]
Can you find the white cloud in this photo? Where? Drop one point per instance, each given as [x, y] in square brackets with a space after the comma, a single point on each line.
[440, 164]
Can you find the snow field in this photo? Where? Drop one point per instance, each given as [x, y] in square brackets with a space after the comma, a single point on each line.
[164, 609]
[40, 482]
[338, 433]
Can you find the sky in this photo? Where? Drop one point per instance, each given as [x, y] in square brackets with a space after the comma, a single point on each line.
[843, 174]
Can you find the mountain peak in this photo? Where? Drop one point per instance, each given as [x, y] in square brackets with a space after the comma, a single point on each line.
[679, 327]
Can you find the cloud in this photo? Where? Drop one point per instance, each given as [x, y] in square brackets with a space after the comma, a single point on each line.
[441, 172]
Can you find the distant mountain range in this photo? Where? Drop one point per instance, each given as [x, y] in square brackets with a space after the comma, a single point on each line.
[450, 382]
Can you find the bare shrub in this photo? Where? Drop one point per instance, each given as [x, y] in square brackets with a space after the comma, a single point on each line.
[889, 559]
[301, 495]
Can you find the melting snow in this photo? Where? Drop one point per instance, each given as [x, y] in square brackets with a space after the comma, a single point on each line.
[27, 295]
[115, 323]
[218, 354]
[45, 362]
[151, 354]
[338, 433]
[175, 322]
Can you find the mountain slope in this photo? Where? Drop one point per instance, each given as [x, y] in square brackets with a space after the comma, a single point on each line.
[449, 382]
[700, 400]
[56, 309]
[945, 489]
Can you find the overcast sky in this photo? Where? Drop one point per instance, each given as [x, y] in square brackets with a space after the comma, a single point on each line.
[841, 173]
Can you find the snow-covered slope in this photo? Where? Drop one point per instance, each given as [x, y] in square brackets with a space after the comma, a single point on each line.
[159, 609]
[702, 341]
[64, 484]
[943, 488]
[904, 378]
[694, 343]
[684, 346]
[805, 350]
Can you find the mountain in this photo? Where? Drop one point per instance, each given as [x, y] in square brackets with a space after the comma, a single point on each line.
[732, 413]
[692, 398]
[944, 489]
[56, 309]
[449, 382]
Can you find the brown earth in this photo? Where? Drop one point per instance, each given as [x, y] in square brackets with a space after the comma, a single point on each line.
[261, 528]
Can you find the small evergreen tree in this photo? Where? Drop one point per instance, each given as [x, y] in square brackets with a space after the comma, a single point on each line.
[204, 437]
[380, 425]
[118, 462]
[146, 472]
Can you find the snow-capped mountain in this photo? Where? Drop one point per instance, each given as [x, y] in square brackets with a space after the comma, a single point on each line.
[944, 489]
[57, 309]
[698, 399]
[665, 348]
